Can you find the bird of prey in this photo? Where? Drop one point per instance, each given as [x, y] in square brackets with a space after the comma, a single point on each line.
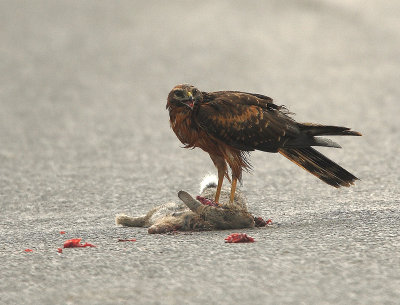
[230, 124]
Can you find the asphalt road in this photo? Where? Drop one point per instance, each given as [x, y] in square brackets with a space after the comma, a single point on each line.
[84, 135]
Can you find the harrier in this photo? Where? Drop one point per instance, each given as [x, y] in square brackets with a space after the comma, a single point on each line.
[230, 124]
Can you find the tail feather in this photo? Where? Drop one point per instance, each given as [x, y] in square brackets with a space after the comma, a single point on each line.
[326, 130]
[320, 166]
[310, 136]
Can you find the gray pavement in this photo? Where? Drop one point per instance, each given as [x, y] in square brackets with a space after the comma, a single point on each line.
[84, 135]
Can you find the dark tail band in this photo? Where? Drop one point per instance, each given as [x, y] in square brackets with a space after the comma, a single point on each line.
[320, 166]
[327, 130]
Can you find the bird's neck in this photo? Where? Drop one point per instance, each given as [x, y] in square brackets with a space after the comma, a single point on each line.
[184, 126]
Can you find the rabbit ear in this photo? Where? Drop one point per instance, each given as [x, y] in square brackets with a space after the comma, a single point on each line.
[190, 202]
[196, 206]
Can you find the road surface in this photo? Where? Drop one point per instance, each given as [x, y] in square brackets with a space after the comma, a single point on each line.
[84, 135]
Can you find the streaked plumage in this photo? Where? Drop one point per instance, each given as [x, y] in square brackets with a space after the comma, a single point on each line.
[230, 124]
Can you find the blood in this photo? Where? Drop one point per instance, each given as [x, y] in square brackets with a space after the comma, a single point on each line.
[76, 243]
[239, 238]
[260, 222]
[206, 201]
[28, 250]
[126, 239]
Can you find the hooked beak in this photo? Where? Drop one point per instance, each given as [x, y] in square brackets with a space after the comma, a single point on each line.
[190, 101]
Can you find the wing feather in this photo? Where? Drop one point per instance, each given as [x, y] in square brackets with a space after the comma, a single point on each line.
[245, 121]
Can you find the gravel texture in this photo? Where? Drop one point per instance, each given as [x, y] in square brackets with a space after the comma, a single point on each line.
[84, 135]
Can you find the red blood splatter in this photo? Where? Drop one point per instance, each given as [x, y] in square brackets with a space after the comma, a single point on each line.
[59, 250]
[28, 250]
[62, 232]
[206, 201]
[239, 238]
[76, 243]
[260, 222]
[126, 239]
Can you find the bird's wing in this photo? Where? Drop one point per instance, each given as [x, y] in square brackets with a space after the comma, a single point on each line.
[245, 121]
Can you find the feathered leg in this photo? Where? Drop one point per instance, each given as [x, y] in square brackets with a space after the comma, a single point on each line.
[220, 164]
[233, 190]
[221, 175]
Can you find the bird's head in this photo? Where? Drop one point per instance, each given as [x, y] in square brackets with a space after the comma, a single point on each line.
[186, 96]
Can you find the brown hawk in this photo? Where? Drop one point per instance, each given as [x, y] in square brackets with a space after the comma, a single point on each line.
[230, 124]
